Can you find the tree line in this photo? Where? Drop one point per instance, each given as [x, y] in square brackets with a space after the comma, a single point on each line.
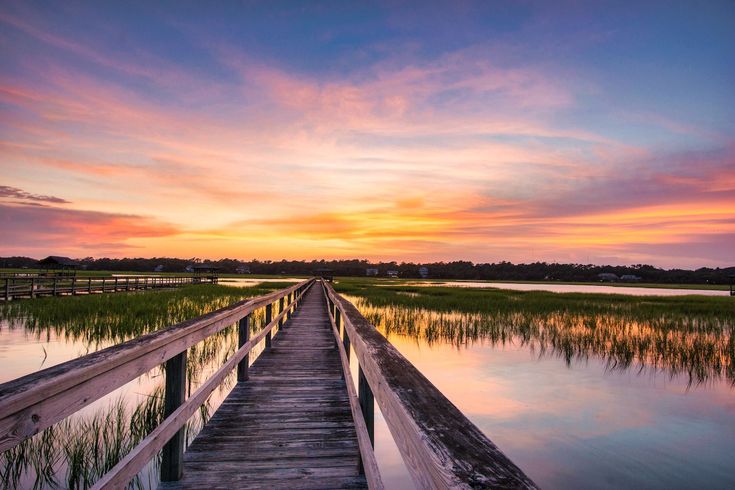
[505, 271]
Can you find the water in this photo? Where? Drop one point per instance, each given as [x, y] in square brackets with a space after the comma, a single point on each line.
[575, 402]
[570, 288]
[582, 422]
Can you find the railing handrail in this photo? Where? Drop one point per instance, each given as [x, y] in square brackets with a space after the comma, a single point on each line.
[33, 402]
[130, 465]
[439, 445]
[367, 455]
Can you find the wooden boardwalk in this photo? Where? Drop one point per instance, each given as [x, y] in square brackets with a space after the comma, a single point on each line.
[290, 424]
[295, 419]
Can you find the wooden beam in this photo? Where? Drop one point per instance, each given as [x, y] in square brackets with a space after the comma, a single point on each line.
[242, 338]
[172, 461]
[440, 447]
[31, 403]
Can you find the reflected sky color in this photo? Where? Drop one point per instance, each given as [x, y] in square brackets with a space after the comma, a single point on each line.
[582, 426]
[482, 131]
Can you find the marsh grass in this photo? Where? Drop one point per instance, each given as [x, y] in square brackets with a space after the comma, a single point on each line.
[689, 335]
[77, 451]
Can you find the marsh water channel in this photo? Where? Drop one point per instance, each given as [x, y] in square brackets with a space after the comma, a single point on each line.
[576, 400]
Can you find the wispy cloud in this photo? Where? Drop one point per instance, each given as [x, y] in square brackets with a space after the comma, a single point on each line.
[21, 195]
[482, 149]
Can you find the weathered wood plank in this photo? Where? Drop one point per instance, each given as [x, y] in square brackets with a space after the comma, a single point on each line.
[290, 425]
[36, 401]
[439, 445]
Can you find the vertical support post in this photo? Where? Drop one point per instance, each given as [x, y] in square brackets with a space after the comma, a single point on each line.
[116, 284]
[127, 284]
[33, 287]
[55, 278]
[268, 318]
[367, 403]
[89, 285]
[346, 343]
[290, 306]
[338, 324]
[243, 336]
[7, 289]
[172, 463]
[280, 310]
[74, 286]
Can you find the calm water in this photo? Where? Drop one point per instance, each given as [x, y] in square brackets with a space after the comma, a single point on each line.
[580, 420]
[580, 423]
[573, 288]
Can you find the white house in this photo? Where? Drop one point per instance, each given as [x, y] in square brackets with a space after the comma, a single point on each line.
[392, 273]
[371, 272]
[424, 272]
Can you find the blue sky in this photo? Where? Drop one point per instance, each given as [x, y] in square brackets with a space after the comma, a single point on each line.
[568, 131]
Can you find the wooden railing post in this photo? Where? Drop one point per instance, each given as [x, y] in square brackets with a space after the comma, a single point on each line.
[337, 323]
[54, 293]
[346, 343]
[172, 462]
[89, 285]
[242, 338]
[367, 403]
[280, 310]
[7, 289]
[268, 318]
[290, 306]
[33, 286]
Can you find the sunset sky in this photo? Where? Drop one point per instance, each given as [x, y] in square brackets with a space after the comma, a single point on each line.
[418, 131]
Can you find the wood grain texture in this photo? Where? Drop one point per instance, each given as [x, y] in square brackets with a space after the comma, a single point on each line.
[439, 445]
[290, 425]
[36, 401]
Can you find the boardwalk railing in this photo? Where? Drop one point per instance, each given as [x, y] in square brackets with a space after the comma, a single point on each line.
[34, 402]
[33, 287]
[440, 447]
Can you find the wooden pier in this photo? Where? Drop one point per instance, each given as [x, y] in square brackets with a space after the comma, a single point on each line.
[294, 420]
[60, 285]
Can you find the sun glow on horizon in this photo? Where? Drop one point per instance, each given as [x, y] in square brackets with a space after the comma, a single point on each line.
[468, 135]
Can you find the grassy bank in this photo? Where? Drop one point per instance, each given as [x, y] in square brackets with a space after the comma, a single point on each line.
[77, 451]
[691, 335]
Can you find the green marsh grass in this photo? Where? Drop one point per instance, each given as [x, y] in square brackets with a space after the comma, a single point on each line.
[76, 452]
[689, 335]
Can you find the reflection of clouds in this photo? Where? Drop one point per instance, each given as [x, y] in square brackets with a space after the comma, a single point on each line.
[696, 348]
[569, 425]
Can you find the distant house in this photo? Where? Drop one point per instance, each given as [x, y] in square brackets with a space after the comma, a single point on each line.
[159, 268]
[371, 272]
[392, 273]
[189, 268]
[607, 277]
[243, 269]
[630, 278]
[424, 272]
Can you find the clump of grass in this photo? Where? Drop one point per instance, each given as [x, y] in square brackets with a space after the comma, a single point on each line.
[106, 319]
[691, 335]
[79, 450]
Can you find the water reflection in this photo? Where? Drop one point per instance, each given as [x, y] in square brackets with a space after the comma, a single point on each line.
[579, 401]
[703, 351]
[45, 332]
